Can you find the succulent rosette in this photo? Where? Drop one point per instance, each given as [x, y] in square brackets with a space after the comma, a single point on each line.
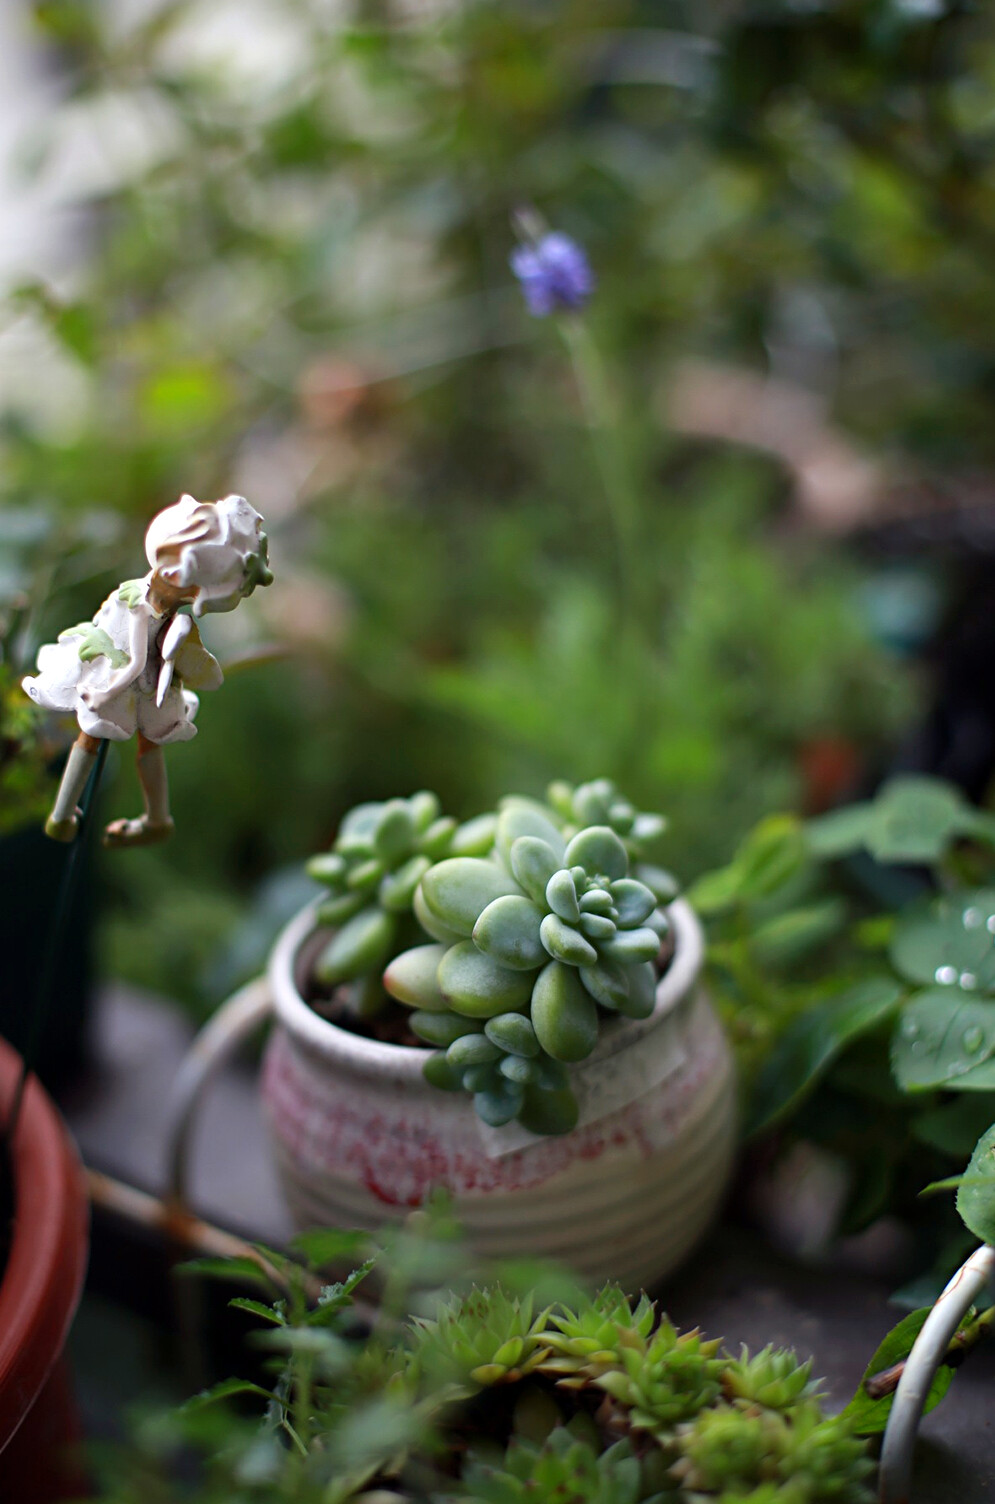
[534, 944]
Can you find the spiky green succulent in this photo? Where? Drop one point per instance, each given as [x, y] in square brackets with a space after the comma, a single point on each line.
[663, 1379]
[585, 1343]
[476, 1340]
[564, 1470]
[727, 1452]
[379, 856]
[771, 1378]
[534, 944]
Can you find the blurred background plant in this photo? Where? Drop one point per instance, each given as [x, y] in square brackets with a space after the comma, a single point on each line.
[275, 259]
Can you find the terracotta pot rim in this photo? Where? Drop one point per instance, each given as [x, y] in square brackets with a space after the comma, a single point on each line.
[402, 1062]
[46, 1266]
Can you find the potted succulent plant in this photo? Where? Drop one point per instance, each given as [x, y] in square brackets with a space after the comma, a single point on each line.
[510, 1009]
[500, 1395]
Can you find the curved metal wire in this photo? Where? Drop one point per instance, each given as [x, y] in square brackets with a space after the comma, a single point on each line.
[895, 1475]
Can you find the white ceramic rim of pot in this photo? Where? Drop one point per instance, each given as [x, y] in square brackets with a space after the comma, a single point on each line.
[400, 1061]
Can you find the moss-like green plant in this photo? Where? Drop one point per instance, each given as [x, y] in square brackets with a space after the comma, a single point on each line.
[565, 1469]
[534, 944]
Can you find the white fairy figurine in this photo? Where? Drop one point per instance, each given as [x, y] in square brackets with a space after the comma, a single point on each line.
[134, 666]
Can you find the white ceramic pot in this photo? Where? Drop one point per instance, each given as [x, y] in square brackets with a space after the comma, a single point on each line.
[361, 1137]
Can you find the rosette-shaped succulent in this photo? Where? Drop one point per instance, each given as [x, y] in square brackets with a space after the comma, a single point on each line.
[565, 1470]
[729, 1453]
[665, 1379]
[531, 942]
[584, 1343]
[772, 1378]
[600, 803]
[381, 853]
[486, 1337]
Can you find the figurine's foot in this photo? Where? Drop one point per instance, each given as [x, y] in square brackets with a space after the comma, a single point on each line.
[140, 832]
[62, 830]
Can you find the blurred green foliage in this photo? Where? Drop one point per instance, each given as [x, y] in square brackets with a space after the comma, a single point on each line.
[290, 232]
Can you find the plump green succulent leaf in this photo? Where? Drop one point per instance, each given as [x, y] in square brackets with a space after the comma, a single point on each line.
[412, 978]
[474, 837]
[430, 923]
[564, 1015]
[394, 832]
[548, 1111]
[632, 945]
[566, 944]
[508, 930]
[338, 910]
[361, 820]
[633, 900]
[483, 1077]
[435, 841]
[424, 808]
[524, 817]
[642, 991]
[397, 889]
[599, 851]
[458, 890]
[479, 987]
[561, 896]
[440, 1029]
[514, 1033]
[499, 1103]
[472, 1049]
[533, 862]
[949, 940]
[327, 867]
[608, 983]
[438, 1072]
[943, 1034]
[517, 1068]
[360, 946]
[364, 876]
[597, 928]
[597, 901]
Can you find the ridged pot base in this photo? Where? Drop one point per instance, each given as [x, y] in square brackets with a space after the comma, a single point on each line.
[360, 1138]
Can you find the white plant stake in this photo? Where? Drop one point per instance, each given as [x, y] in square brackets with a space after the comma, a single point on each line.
[134, 668]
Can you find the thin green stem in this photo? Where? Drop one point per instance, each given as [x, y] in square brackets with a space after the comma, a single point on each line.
[603, 427]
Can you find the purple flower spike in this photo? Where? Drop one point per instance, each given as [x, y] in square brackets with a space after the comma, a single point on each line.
[554, 272]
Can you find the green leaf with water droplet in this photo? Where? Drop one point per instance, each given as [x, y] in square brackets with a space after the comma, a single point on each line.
[976, 1197]
[942, 1034]
[949, 941]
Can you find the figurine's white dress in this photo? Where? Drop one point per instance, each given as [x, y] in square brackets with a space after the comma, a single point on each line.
[112, 690]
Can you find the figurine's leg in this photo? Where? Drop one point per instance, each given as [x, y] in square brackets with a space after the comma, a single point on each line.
[63, 823]
[156, 824]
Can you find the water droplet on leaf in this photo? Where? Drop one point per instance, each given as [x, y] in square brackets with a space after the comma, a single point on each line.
[968, 980]
[946, 975]
[973, 1039]
[972, 918]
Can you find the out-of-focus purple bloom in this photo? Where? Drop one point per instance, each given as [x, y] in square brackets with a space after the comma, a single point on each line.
[554, 272]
